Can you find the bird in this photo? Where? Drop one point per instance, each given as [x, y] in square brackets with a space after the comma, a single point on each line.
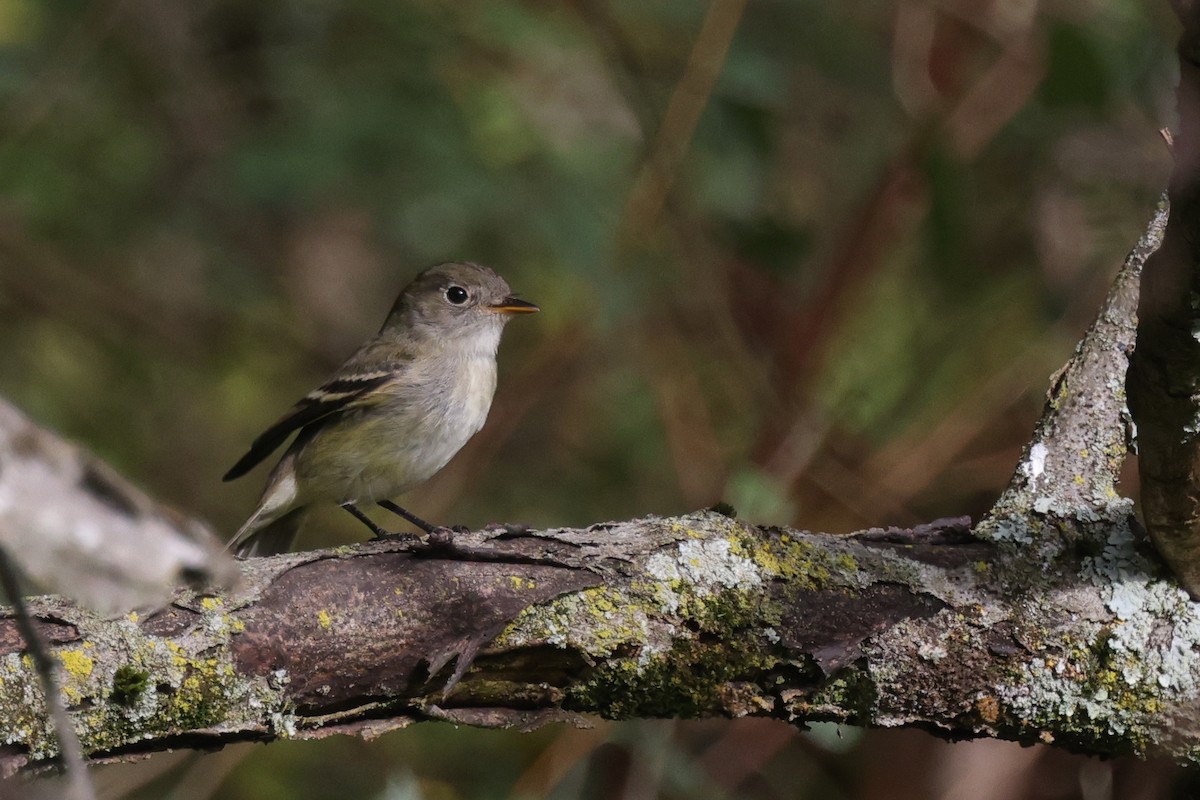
[392, 415]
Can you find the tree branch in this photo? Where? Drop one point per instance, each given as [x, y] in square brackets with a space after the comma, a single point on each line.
[1052, 624]
[687, 616]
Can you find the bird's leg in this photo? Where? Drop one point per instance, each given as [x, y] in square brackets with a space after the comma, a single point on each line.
[439, 541]
[408, 515]
[379, 532]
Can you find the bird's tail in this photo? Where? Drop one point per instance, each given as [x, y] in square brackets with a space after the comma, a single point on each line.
[266, 536]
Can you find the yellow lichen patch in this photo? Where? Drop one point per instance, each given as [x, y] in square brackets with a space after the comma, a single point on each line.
[76, 663]
[210, 603]
[596, 620]
[133, 616]
[522, 583]
[796, 560]
[324, 620]
[178, 655]
[847, 562]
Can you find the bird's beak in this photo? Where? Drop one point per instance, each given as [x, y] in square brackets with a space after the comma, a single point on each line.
[511, 305]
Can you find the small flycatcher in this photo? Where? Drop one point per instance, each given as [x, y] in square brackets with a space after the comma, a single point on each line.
[393, 414]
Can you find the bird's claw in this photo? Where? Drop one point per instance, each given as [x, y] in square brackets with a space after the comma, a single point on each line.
[443, 535]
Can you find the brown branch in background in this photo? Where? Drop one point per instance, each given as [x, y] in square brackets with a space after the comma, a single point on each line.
[691, 434]
[1164, 375]
[998, 95]
[661, 166]
[562, 755]
[912, 461]
[968, 114]
[743, 749]
[897, 203]
[691, 438]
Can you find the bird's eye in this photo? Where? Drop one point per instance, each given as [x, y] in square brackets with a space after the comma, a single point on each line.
[456, 295]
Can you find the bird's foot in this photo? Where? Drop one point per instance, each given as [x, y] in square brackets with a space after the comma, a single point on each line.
[497, 548]
[442, 536]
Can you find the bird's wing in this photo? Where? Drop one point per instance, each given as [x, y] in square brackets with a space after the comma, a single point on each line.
[340, 393]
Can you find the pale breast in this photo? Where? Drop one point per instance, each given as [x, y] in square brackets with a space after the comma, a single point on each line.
[472, 394]
[461, 407]
[391, 447]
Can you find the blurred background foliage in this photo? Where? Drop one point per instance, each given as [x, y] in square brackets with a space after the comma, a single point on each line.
[816, 259]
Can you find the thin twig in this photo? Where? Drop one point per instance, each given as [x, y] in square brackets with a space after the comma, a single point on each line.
[68, 743]
[661, 165]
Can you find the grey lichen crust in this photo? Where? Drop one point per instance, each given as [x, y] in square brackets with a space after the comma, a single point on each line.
[1070, 468]
[124, 684]
[1117, 659]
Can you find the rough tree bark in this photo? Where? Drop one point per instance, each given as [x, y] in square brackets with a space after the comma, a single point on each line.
[1052, 623]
